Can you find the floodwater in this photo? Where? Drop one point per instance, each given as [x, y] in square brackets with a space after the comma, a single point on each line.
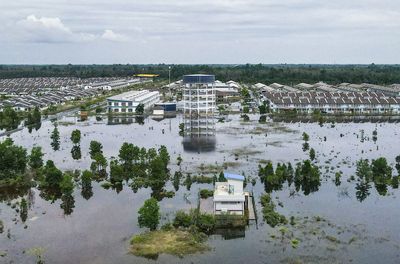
[333, 225]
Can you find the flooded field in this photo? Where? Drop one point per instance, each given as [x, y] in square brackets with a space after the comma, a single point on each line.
[336, 223]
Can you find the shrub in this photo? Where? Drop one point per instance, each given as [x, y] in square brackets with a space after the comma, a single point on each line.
[204, 193]
[182, 219]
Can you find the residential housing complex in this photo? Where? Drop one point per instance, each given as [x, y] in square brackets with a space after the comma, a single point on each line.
[390, 90]
[127, 102]
[24, 94]
[337, 102]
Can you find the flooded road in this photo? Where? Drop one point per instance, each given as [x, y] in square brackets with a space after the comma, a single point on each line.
[333, 224]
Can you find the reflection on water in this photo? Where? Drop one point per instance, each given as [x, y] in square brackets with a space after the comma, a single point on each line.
[125, 120]
[199, 135]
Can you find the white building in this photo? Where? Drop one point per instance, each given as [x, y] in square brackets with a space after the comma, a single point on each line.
[127, 102]
[229, 196]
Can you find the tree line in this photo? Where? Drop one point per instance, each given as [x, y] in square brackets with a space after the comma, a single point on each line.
[246, 73]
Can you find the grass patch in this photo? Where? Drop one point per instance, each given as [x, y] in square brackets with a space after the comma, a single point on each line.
[174, 242]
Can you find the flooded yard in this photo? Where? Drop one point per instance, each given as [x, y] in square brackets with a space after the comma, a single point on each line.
[337, 223]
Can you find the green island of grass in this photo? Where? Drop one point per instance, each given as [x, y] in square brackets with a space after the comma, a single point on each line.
[175, 242]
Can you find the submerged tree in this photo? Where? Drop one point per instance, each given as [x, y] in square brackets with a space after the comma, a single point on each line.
[36, 158]
[312, 154]
[139, 109]
[13, 160]
[398, 164]
[94, 148]
[149, 214]
[23, 210]
[76, 136]
[55, 138]
[306, 137]
[307, 177]
[76, 152]
[86, 184]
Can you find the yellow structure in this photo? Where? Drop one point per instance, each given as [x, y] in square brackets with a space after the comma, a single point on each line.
[146, 75]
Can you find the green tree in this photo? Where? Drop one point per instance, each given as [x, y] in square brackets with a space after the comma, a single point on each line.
[55, 138]
[13, 160]
[86, 183]
[94, 148]
[128, 154]
[76, 136]
[9, 118]
[52, 175]
[312, 154]
[76, 152]
[221, 177]
[23, 210]
[99, 163]
[67, 184]
[398, 164]
[164, 155]
[36, 158]
[149, 214]
[263, 108]
[306, 137]
[139, 109]
[37, 116]
[179, 160]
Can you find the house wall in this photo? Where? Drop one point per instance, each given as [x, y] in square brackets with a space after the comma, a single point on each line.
[238, 186]
[230, 207]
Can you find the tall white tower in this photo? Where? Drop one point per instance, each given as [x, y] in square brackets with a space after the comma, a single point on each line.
[199, 107]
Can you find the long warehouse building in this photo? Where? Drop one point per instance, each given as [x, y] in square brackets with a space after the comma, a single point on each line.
[127, 102]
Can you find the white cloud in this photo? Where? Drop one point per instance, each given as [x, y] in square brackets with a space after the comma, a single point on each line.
[112, 36]
[53, 30]
[352, 31]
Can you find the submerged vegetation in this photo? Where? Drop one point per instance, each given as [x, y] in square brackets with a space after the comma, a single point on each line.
[270, 216]
[306, 176]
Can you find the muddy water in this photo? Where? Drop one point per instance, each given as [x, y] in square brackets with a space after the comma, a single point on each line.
[98, 230]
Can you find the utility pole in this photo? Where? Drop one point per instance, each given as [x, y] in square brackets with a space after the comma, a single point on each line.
[169, 78]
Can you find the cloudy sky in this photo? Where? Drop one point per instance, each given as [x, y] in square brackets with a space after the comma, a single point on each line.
[194, 31]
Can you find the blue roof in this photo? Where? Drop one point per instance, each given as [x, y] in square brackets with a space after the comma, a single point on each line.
[233, 176]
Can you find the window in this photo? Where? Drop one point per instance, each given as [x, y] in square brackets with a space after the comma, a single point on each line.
[115, 110]
[130, 110]
[123, 104]
[123, 110]
[130, 104]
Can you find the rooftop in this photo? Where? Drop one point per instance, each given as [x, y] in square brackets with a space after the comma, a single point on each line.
[230, 176]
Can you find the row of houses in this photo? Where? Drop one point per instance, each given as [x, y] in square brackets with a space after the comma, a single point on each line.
[43, 101]
[338, 102]
[25, 86]
[390, 90]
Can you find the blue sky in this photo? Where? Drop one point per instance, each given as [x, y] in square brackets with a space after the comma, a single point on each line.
[207, 31]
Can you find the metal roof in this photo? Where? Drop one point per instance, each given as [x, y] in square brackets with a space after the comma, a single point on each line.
[231, 176]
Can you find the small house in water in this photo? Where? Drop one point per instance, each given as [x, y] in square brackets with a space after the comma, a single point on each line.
[229, 197]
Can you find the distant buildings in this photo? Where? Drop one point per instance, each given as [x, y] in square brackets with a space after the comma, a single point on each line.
[337, 102]
[391, 90]
[24, 94]
[127, 102]
[226, 92]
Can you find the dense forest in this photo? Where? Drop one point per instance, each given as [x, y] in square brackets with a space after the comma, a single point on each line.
[247, 73]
